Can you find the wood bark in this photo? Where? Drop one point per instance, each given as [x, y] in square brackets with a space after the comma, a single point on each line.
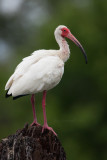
[30, 143]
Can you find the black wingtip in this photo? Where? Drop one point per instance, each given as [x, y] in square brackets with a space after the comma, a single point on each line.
[14, 98]
[7, 95]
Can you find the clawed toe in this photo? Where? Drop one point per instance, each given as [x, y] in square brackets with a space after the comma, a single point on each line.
[35, 123]
[49, 128]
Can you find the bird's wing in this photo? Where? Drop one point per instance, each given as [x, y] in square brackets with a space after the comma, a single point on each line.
[27, 62]
[9, 82]
[43, 75]
[24, 66]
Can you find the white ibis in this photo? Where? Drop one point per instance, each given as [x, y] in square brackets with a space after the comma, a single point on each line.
[41, 71]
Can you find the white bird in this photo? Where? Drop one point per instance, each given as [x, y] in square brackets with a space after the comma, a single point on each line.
[41, 71]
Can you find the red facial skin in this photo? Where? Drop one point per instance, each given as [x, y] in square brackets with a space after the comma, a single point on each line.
[65, 32]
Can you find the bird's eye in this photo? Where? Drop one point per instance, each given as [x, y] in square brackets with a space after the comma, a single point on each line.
[64, 30]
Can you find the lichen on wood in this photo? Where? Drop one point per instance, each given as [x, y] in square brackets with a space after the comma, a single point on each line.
[30, 143]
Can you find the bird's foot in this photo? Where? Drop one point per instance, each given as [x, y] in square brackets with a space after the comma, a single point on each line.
[49, 128]
[35, 123]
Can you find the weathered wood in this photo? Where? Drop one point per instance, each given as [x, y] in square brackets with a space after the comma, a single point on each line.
[30, 143]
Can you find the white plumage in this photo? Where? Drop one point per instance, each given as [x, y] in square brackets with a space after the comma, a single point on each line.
[42, 70]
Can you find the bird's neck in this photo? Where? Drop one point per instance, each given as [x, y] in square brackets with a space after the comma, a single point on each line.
[64, 51]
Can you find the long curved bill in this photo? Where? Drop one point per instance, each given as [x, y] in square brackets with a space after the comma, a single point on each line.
[71, 37]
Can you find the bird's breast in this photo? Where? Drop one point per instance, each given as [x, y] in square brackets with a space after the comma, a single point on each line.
[52, 75]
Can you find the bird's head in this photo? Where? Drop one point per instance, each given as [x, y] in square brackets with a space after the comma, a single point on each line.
[63, 31]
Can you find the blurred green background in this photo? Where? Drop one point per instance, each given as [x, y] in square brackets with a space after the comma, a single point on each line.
[77, 107]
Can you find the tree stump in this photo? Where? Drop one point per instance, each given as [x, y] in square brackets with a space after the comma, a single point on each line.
[30, 143]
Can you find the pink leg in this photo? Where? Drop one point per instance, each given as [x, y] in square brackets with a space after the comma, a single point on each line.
[34, 112]
[45, 126]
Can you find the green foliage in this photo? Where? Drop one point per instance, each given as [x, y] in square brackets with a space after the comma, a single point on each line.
[77, 107]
